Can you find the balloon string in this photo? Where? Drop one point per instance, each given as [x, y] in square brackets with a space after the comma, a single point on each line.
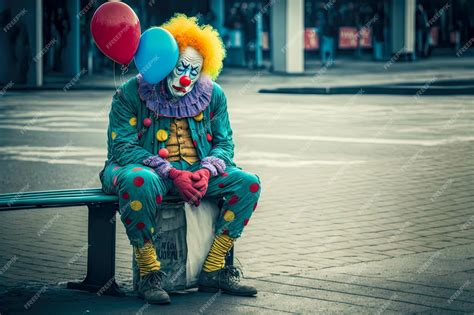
[124, 70]
[115, 82]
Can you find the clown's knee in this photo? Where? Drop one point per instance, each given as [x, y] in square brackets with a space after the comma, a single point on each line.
[250, 184]
[140, 190]
[142, 182]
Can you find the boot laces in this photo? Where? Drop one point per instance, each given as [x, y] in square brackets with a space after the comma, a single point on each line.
[231, 275]
[154, 279]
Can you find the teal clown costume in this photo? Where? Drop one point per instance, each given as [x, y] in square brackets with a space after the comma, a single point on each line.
[175, 137]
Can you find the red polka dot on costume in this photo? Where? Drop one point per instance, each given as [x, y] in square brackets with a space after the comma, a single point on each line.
[125, 195]
[128, 221]
[221, 185]
[195, 144]
[254, 187]
[139, 136]
[233, 200]
[159, 199]
[138, 181]
[115, 180]
[225, 174]
[136, 169]
[116, 167]
[254, 206]
[211, 115]
[225, 232]
[163, 153]
[147, 122]
[140, 225]
[246, 221]
[209, 137]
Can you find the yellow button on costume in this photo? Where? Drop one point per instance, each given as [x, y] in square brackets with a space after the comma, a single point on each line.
[161, 135]
[199, 117]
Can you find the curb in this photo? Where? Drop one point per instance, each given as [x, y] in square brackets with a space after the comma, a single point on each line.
[377, 90]
[434, 87]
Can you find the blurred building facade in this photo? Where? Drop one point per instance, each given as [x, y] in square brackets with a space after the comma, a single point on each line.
[43, 38]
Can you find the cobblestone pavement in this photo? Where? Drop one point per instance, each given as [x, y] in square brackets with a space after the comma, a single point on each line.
[367, 201]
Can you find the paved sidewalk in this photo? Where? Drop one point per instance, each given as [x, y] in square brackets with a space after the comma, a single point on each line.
[367, 203]
[421, 283]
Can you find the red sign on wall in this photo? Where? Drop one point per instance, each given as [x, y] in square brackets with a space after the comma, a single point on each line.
[311, 40]
[365, 37]
[453, 37]
[434, 35]
[265, 41]
[348, 37]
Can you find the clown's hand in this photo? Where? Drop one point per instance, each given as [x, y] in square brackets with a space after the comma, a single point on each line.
[201, 180]
[184, 183]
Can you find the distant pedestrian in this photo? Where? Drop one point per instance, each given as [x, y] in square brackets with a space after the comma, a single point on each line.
[378, 33]
[326, 20]
[19, 52]
[250, 33]
[422, 31]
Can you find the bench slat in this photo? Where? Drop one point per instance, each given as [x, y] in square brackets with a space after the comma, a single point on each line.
[53, 192]
[59, 201]
[61, 198]
[13, 200]
[47, 199]
[38, 198]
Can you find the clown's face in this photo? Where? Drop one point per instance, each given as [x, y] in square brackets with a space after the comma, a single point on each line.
[187, 71]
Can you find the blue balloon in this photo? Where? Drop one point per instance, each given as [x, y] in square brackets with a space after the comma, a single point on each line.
[157, 54]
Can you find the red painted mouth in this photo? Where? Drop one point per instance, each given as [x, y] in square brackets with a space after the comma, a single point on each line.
[179, 88]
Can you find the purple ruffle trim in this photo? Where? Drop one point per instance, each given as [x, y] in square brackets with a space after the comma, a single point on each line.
[214, 165]
[188, 105]
[160, 165]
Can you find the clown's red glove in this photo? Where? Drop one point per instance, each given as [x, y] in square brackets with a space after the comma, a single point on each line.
[201, 180]
[183, 181]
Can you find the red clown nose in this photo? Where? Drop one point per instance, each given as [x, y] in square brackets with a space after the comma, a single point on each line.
[185, 81]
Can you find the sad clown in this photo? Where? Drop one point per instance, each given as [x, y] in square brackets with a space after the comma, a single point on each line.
[175, 136]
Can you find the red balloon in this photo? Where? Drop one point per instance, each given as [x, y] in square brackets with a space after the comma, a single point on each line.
[116, 31]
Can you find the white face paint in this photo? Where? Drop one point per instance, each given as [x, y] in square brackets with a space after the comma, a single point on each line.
[187, 71]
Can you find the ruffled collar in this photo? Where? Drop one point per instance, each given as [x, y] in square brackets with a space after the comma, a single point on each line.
[188, 105]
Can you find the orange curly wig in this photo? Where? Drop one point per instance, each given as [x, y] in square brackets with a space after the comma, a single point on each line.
[204, 39]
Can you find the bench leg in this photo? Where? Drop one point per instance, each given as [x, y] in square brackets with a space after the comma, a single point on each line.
[100, 276]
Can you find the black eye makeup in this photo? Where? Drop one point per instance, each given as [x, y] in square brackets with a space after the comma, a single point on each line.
[194, 71]
[181, 68]
[185, 67]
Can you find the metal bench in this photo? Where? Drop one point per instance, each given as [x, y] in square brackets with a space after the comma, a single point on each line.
[100, 275]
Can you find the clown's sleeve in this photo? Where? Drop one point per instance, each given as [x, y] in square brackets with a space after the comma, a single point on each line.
[223, 144]
[123, 133]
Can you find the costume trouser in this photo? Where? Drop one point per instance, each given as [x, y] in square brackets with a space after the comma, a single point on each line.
[141, 191]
